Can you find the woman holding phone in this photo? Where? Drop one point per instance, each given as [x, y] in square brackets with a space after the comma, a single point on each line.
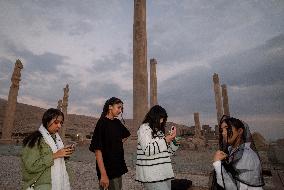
[42, 159]
[153, 166]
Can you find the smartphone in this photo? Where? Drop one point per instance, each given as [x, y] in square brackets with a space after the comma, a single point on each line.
[171, 131]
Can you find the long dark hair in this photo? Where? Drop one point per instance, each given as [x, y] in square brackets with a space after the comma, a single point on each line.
[111, 102]
[50, 114]
[154, 116]
[231, 122]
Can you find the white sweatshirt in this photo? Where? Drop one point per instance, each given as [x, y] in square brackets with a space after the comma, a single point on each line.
[153, 156]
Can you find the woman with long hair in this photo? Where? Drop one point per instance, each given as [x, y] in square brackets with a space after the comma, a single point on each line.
[42, 159]
[237, 163]
[153, 166]
[107, 144]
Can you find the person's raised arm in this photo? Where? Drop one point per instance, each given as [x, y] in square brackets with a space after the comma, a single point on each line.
[223, 177]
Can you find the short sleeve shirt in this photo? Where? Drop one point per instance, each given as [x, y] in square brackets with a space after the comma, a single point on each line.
[107, 137]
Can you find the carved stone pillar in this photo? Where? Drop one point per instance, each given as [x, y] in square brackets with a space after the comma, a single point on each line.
[225, 100]
[59, 105]
[153, 83]
[218, 97]
[140, 75]
[64, 110]
[11, 104]
[197, 126]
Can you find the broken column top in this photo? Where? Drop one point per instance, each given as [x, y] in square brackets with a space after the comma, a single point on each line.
[16, 76]
[216, 78]
[66, 90]
[59, 104]
[19, 64]
[153, 61]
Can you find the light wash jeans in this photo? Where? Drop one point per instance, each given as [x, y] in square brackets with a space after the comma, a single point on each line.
[164, 185]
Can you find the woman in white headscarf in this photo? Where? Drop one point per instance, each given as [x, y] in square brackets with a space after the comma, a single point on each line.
[237, 164]
[42, 159]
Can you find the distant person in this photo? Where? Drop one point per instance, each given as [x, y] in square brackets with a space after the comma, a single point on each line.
[42, 159]
[237, 164]
[107, 144]
[153, 166]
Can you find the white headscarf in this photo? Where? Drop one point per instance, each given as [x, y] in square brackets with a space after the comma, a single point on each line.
[59, 175]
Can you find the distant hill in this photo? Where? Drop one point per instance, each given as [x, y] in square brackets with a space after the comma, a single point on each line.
[28, 119]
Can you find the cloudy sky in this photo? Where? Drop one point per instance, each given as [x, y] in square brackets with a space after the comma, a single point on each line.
[88, 44]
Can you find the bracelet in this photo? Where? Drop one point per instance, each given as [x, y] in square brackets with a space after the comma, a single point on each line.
[175, 142]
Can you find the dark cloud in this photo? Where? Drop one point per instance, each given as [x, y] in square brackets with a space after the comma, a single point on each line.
[189, 30]
[44, 63]
[41, 76]
[111, 62]
[6, 70]
[259, 66]
[257, 100]
[6, 66]
[254, 79]
[188, 92]
[89, 97]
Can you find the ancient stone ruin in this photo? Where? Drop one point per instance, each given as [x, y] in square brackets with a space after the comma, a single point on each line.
[218, 96]
[140, 75]
[64, 110]
[198, 140]
[221, 100]
[153, 83]
[59, 105]
[225, 100]
[11, 104]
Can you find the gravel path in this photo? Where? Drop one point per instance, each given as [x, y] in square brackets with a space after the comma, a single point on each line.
[192, 165]
[84, 176]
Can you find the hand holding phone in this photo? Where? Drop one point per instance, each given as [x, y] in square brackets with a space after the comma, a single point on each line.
[72, 146]
[173, 128]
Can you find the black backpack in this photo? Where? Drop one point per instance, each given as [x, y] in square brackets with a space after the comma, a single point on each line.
[181, 184]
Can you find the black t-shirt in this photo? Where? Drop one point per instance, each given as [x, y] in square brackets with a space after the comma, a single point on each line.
[107, 137]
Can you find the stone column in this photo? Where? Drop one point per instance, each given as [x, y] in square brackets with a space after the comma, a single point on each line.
[59, 105]
[11, 104]
[225, 100]
[217, 131]
[153, 83]
[197, 126]
[64, 110]
[218, 97]
[140, 75]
